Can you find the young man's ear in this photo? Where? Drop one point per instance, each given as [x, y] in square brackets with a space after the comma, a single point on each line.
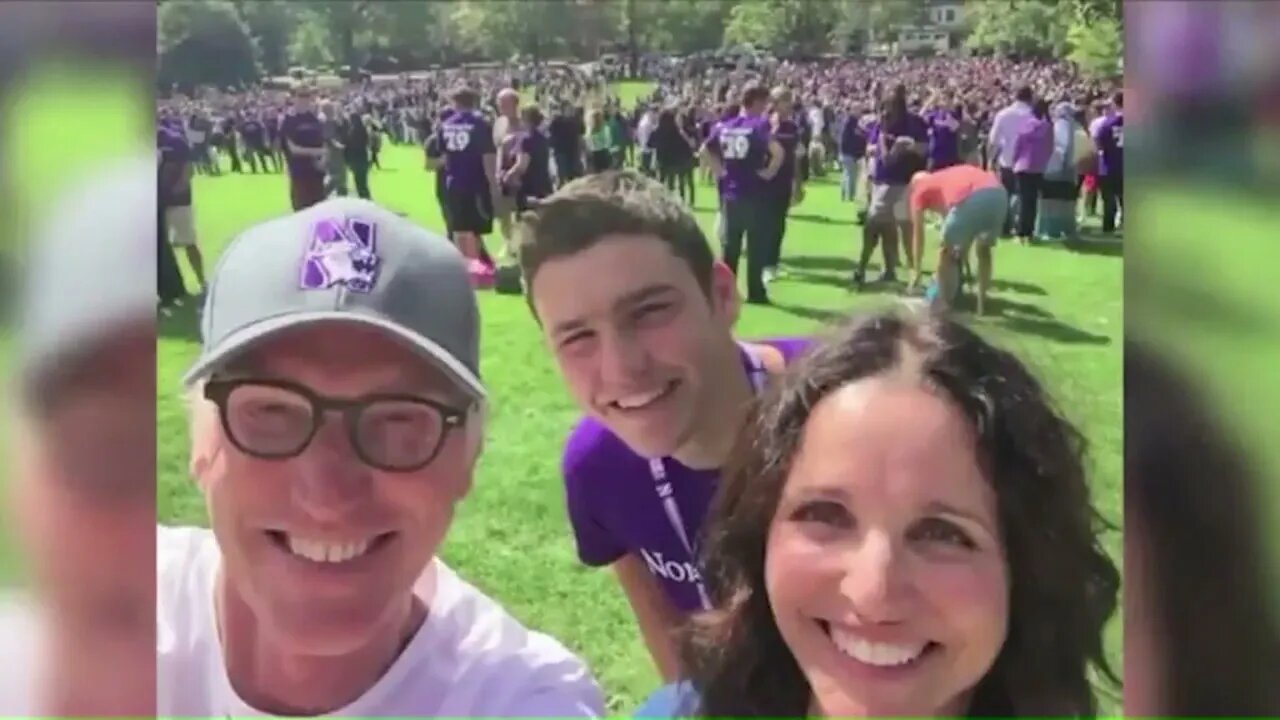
[725, 299]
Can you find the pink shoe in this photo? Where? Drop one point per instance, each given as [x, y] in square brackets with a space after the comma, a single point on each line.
[482, 274]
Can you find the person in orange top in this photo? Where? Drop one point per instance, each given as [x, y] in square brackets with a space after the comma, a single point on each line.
[975, 205]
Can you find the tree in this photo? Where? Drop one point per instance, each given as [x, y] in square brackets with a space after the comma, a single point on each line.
[496, 28]
[271, 24]
[344, 20]
[1024, 27]
[761, 24]
[204, 42]
[405, 34]
[1096, 46]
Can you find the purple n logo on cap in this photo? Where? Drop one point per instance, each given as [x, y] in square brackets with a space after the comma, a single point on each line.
[341, 253]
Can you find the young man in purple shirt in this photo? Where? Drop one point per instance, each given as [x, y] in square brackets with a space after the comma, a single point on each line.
[1109, 137]
[897, 141]
[944, 137]
[468, 160]
[639, 316]
[743, 154]
[256, 148]
[303, 137]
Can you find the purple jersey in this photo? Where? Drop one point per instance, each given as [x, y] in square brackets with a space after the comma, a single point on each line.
[1110, 141]
[175, 158]
[536, 180]
[944, 139]
[742, 144]
[890, 172]
[615, 508]
[254, 132]
[465, 138]
[304, 130]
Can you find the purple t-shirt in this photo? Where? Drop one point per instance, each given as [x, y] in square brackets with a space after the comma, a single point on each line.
[254, 132]
[536, 181]
[1110, 142]
[304, 130]
[944, 140]
[889, 172]
[853, 140]
[175, 156]
[465, 138]
[615, 510]
[742, 144]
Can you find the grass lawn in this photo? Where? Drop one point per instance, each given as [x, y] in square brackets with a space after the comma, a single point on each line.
[1058, 308]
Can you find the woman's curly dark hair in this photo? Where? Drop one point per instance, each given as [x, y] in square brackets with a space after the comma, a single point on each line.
[1063, 585]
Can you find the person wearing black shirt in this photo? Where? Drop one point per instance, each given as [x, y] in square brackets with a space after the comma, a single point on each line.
[673, 151]
[356, 151]
[565, 131]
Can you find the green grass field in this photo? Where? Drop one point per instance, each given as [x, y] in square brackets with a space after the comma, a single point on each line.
[1059, 309]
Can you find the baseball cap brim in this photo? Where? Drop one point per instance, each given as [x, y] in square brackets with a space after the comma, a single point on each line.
[247, 337]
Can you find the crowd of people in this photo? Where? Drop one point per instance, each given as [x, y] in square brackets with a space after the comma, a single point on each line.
[1050, 135]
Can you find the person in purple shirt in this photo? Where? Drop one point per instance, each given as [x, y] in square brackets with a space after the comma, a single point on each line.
[529, 177]
[743, 154]
[175, 173]
[303, 138]
[897, 142]
[639, 316]
[1031, 152]
[944, 141]
[1109, 138]
[468, 161]
[256, 147]
[786, 188]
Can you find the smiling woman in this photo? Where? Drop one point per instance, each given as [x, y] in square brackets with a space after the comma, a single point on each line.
[904, 529]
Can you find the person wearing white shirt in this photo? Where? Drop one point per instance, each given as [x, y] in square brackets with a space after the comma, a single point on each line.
[337, 415]
[506, 126]
[1001, 142]
[644, 130]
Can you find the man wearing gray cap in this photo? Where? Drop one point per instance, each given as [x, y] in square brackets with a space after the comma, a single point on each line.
[337, 415]
[79, 641]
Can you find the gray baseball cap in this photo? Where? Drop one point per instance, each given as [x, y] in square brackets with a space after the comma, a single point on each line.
[91, 269]
[344, 260]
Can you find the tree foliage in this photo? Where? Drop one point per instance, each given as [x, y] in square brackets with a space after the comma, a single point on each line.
[204, 42]
[1088, 32]
[231, 41]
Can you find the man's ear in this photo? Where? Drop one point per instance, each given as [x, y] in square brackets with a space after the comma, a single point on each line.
[726, 302]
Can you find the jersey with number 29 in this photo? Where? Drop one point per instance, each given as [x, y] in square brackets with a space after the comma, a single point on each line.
[464, 139]
[742, 144]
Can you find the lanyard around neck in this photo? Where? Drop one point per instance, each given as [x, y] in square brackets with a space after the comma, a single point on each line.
[758, 375]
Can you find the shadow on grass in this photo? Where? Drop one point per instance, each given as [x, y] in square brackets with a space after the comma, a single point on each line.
[1017, 287]
[1009, 308]
[819, 219]
[819, 262]
[844, 282]
[821, 316]
[1093, 245]
[1032, 320]
[1049, 329]
[180, 322]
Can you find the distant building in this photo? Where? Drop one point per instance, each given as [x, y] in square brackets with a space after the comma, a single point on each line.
[941, 31]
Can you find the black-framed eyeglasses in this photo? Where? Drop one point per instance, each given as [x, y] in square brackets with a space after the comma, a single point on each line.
[278, 419]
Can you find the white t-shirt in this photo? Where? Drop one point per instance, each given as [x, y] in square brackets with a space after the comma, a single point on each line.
[22, 654]
[470, 658]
